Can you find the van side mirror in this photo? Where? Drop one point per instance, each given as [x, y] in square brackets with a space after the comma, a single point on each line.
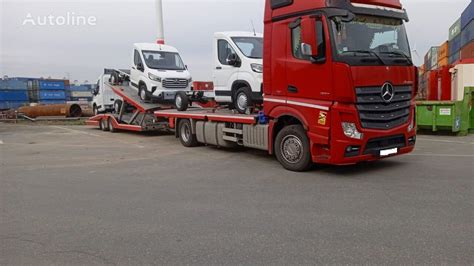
[140, 67]
[309, 47]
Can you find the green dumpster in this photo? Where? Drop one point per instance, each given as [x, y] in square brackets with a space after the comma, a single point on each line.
[446, 116]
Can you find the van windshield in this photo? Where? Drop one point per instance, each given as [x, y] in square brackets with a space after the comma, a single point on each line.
[163, 60]
[251, 47]
[383, 39]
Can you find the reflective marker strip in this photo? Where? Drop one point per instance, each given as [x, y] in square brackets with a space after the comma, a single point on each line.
[378, 7]
[315, 106]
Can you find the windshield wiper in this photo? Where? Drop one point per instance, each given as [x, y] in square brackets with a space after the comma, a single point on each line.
[368, 52]
[400, 54]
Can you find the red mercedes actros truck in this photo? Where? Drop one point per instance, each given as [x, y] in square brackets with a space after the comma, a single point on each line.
[339, 87]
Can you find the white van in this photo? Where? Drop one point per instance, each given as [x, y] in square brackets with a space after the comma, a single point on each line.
[238, 73]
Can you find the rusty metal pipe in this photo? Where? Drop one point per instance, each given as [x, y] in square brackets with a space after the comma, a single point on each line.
[67, 110]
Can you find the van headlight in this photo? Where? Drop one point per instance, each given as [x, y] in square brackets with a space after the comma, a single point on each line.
[154, 78]
[350, 130]
[190, 80]
[257, 68]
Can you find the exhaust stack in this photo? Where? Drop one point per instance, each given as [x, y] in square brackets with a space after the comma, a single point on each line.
[159, 17]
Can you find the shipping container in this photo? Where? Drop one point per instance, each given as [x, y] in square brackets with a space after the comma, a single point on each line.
[52, 95]
[431, 58]
[444, 83]
[461, 77]
[468, 15]
[443, 62]
[467, 34]
[455, 45]
[455, 29]
[46, 102]
[443, 52]
[13, 85]
[81, 94]
[5, 105]
[51, 85]
[453, 58]
[432, 93]
[11, 95]
[467, 51]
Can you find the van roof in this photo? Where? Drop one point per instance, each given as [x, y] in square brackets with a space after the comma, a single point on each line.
[231, 34]
[155, 47]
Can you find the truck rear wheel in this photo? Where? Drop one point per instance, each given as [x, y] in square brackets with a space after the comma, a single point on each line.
[243, 100]
[104, 125]
[186, 136]
[181, 101]
[111, 125]
[292, 149]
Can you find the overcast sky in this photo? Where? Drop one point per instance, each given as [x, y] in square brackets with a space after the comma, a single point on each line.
[81, 52]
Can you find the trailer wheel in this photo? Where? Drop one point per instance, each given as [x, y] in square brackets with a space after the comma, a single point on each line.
[104, 125]
[181, 101]
[117, 106]
[143, 93]
[292, 149]
[111, 125]
[187, 138]
[243, 100]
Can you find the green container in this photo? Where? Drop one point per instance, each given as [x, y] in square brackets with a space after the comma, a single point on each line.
[447, 116]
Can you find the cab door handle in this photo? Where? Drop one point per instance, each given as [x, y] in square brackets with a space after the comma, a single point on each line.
[292, 89]
[219, 68]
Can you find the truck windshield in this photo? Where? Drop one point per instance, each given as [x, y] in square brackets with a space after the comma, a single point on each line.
[383, 39]
[251, 47]
[163, 60]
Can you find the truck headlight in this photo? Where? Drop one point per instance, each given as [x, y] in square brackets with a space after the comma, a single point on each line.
[257, 68]
[350, 130]
[154, 78]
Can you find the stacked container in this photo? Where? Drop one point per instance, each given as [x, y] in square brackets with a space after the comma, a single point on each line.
[431, 58]
[52, 91]
[455, 42]
[13, 94]
[82, 93]
[467, 32]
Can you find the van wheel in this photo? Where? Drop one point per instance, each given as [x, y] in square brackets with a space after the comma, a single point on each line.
[104, 125]
[95, 110]
[143, 93]
[111, 125]
[115, 79]
[117, 106]
[292, 149]
[187, 138]
[181, 101]
[243, 100]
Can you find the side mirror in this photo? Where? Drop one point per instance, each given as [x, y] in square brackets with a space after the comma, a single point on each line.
[309, 47]
[232, 60]
[140, 67]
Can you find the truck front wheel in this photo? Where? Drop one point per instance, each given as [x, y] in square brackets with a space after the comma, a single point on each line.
[186, 136]
[292, 149]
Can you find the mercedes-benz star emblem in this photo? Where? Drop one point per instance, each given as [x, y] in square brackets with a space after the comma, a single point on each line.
[387, 93]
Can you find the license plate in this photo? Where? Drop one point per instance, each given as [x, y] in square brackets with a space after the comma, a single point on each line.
[169, 95]
[389, 152]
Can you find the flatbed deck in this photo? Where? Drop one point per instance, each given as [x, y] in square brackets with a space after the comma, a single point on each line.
[130, 95]
[209, 114]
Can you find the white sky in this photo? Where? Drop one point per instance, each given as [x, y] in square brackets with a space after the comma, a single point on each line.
[82, 52]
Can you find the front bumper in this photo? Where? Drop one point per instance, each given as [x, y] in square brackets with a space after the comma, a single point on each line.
[375, 144]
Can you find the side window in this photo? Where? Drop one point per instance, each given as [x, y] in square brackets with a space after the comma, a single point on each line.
[136, 58]
[224, 50]
[296, 41]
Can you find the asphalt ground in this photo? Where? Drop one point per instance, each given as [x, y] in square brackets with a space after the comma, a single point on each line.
[74, 195]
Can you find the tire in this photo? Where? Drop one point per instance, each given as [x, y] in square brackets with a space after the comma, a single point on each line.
[181, 101]
[292, 149]
[111, 125]
[243, 100]
[104, 125]
[187, 138]
[95, 110]
[143, 93]
[114, 79]
[117, 106]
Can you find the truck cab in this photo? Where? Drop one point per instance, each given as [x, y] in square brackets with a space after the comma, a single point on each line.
[158, 72]
[238, 72]
[341, 74]
[103, 97]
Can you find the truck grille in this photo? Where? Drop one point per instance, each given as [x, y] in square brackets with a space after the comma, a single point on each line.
[375, 113]
[175, 83]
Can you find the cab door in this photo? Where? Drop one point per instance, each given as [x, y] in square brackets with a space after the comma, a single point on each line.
[224, 72]
[308, 73]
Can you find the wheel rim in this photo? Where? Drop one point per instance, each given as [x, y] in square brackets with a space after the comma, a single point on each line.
[242, 101]
[292, 149]
[185, 133]
[143, 94]
[179, 101]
